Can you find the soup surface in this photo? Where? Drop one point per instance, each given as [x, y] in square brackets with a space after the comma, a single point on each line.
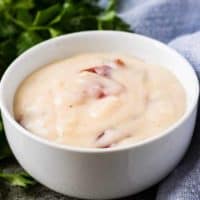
[99, 100]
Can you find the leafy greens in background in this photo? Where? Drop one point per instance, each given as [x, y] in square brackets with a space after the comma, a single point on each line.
[24, 23]
[21, 179]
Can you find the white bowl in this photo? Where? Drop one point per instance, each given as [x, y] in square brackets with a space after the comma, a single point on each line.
[99, 173]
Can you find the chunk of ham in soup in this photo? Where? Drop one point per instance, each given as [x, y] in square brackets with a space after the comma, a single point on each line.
[99, 101]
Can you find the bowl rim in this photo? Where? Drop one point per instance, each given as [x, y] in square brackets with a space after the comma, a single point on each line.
[65, 147]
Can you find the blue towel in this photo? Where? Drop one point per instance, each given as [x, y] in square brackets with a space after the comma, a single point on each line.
[177, 23]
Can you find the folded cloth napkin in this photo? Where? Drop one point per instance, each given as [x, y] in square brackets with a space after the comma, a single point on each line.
[177, 23]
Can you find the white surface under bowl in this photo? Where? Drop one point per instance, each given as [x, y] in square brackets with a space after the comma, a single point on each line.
[99, 173]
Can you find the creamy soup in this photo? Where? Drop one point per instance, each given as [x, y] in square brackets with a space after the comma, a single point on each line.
[99, 100]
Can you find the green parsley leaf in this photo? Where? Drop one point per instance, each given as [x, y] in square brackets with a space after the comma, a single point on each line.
[27, 40]
[21, 179]
[45, 16]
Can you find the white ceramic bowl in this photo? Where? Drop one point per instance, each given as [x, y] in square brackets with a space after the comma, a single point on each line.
[99, 173]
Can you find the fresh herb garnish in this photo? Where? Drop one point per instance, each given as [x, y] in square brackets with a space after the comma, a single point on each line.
[21, 179]
[24, 23]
